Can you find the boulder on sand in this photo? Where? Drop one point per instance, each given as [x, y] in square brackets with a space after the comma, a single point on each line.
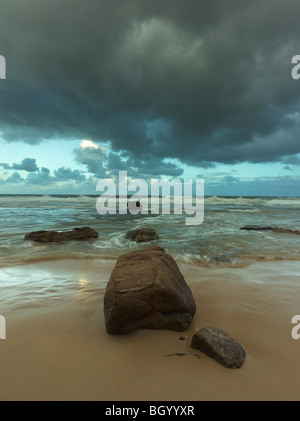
[142, 235]
[76, 234]
[219, 345]
[146, 290]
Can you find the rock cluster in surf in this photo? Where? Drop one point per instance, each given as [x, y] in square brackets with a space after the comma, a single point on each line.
[146, 290]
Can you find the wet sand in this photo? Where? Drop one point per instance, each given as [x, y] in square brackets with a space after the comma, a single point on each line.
[59, 349]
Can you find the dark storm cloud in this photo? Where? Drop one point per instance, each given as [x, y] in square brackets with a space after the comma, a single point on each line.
[93, 158]
[149, 166]
[203, 81]
[292, 160]
[103, 164]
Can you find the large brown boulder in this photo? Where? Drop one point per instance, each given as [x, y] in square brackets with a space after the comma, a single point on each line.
[84, 233]
[146, 290]
[140, 235]
[219, 345]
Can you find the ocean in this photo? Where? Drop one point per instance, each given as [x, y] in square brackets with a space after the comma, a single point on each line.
[218, 242]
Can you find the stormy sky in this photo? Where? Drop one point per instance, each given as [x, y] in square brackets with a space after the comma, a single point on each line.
[169, 88]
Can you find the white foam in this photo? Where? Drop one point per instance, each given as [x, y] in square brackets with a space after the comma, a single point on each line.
[255, 201]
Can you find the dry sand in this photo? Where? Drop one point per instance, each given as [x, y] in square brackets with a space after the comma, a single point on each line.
[62, 351]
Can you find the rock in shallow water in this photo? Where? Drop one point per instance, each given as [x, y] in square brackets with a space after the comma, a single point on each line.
[142, 235]
[256, 228]
[219, 345]
[267, 228]
[76, 234]
[146, 290]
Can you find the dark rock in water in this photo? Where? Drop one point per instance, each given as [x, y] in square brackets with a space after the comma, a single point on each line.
[256, 228]
[76, 234]
[221, 259]
[136, 204]
[146, 290]
[142, 235]
[219, 345]
[266, 228]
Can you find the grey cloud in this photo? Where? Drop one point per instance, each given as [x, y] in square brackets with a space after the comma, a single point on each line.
[115, 163]
[149, 165]
[94, 159]
[28, 164]
[292, 160]
[230, 179]
[39, 178]
[274, 186]
[45, 170]
[14, 178]
[62, 174]
[105, 164]
[5, 165]
[201, 81]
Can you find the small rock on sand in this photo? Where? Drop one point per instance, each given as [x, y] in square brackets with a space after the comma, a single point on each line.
[219, 345]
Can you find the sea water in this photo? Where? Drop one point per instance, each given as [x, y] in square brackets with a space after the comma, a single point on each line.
[219, 241]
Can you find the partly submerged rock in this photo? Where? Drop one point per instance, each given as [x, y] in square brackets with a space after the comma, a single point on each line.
[220, 259]
[267, 228]
[142, 235]
[256, 228]
[219, 345]
[83, 233]
[146, 290]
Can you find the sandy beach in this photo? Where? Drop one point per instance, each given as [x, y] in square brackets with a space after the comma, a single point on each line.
[58, 349]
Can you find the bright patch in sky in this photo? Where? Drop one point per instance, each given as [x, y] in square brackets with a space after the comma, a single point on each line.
[88, 144]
